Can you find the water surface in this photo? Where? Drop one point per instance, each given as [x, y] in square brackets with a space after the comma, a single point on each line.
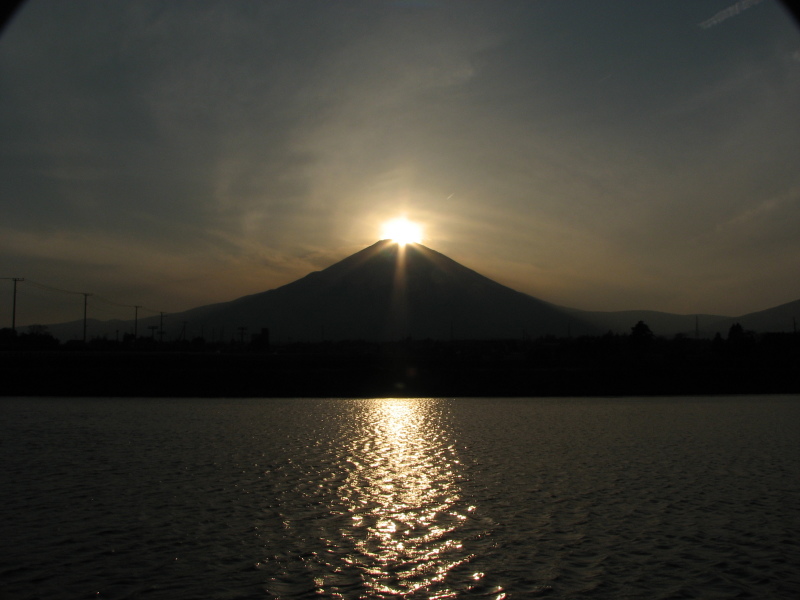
[400, 498]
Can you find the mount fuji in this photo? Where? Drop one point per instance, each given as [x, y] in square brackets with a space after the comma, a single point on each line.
[384, 292]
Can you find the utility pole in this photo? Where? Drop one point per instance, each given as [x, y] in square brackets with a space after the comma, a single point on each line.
[161, 328]
[14, 303]
[85, 303]
[136, 321]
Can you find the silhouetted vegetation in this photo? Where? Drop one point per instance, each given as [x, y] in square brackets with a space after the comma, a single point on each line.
[35, 363]
[36, 337]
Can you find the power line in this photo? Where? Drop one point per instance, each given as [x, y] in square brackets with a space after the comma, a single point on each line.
[112, 303]
[58, 290]
[51, 288]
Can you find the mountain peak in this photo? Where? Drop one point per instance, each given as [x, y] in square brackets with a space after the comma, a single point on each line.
[392, 291]
[386, 291]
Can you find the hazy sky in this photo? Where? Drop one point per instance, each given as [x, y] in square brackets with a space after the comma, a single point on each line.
[600, 155]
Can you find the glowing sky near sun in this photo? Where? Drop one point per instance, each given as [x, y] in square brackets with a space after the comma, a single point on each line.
[402, 231]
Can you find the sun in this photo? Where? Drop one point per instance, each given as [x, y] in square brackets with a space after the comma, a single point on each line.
[402, 231]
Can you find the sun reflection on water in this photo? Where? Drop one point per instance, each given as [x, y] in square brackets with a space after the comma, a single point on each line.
[402, 494]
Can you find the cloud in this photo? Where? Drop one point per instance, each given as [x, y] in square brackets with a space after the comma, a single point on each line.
[731, 11]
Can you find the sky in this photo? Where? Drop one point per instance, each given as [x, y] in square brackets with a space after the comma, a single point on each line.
[597, 155]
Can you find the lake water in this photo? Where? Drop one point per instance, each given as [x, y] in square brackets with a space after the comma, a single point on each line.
[400, 498]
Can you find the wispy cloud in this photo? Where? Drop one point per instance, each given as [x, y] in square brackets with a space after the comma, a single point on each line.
[729, 12]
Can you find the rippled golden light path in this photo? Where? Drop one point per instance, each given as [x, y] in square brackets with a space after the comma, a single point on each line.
[402, 495]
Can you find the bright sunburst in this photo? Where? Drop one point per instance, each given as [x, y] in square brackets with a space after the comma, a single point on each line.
[402, 231]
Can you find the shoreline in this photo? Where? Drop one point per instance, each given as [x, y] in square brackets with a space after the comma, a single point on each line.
[127, 374]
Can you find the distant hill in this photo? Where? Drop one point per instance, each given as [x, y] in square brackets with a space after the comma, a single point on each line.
[391, 292]
[660, 323]
[784, 318]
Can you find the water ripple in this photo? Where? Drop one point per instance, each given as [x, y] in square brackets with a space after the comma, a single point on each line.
[400, 498]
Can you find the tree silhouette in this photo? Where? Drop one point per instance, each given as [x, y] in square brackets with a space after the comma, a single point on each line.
[641, 332]
[736, 332]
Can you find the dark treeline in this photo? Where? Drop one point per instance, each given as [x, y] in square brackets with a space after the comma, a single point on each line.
[639, 363]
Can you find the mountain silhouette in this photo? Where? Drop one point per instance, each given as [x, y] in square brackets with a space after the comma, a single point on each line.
[661, 323]
[384, 292]
[784, 318]
[390, 292]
